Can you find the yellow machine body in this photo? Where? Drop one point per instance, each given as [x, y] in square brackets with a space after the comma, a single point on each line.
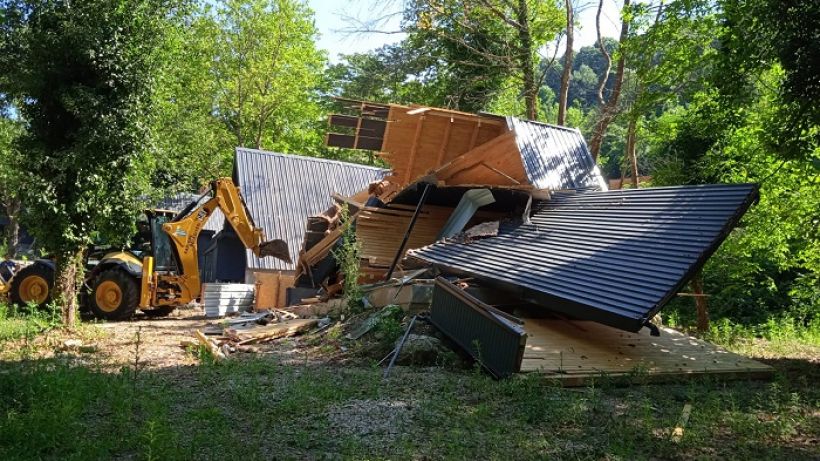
[185, 286]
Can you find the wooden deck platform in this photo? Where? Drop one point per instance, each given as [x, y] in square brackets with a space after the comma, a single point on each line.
[576, 352]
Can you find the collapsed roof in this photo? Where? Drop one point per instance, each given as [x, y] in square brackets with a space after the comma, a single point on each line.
[615, 257]
[458, 148]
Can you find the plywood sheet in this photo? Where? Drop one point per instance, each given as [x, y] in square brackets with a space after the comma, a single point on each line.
[271, 289]
[578, 351]
[495, 162]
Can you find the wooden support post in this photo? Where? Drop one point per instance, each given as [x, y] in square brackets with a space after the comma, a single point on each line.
[399, 253]
[700, 302]
[444, 141]
[413, 148]
[358, 127]
[474, 137]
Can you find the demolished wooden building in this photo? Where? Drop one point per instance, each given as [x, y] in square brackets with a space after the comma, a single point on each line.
[546, 236]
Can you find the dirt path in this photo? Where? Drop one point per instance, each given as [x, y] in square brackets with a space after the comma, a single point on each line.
[155, 340]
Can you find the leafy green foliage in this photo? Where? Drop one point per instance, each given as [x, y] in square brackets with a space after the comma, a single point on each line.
[398, 74]
[770, 266]
[758, 34]
[193, 145]
[267, 68]
[348, 257]
[11, 166]
[83, 73]
[240, 73]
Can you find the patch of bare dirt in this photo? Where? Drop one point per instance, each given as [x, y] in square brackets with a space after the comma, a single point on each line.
[155, 341]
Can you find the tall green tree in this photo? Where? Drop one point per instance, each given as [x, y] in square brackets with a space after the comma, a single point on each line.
[193, 143]
[399, 73]
[267, 69]
[83, 72]
[479, 45]
[11, 165]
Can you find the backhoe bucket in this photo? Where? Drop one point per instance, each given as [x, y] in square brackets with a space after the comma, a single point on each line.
[277, 248]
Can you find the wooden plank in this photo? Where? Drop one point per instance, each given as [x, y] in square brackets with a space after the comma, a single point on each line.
[381, 231]
[577, 352]
[414, 149]
[677, 432]
[358, 131]
[258, 333]
[496, 170]
[430, 148]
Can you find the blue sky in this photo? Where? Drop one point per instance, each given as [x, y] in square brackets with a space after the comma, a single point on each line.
[332, 20]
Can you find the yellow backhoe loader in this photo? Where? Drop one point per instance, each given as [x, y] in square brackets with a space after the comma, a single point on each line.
[162, 276]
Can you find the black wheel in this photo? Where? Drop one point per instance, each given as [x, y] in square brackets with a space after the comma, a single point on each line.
[161, 311]
[33, 284]
[115, 295]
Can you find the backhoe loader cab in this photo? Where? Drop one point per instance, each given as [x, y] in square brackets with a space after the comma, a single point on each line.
[161, 271]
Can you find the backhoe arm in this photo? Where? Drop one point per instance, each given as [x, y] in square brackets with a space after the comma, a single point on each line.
[184, 232]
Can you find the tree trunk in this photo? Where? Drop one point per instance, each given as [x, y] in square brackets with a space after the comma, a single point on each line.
[610, 108]
[68, 278]
[530, 89]
[567, 74]
[700, 302]
[631, 141]
[13, 229]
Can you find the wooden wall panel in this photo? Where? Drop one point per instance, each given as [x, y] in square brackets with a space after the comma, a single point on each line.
[381, 231]
[444, 135]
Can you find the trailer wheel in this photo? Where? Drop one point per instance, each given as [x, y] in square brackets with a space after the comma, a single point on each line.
[115, 295]
[33, 284]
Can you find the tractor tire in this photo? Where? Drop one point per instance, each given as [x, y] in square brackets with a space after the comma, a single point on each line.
[33, 284]
[161, 311]
[115, 295]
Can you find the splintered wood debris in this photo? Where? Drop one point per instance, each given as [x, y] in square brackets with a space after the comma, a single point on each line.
[235, 335]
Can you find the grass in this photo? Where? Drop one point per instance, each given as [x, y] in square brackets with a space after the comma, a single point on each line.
[260, 410]
[777, 337]
[26, 322]
[66, 407]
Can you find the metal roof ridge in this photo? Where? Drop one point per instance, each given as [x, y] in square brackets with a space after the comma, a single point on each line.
[305, 157]
[550, 125]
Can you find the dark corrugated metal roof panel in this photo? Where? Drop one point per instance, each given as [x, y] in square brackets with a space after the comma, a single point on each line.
[180, 200]
[281, 191]
[555, 157]
[615, 257]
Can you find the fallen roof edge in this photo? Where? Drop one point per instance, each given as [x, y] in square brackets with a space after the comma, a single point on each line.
[710, 250]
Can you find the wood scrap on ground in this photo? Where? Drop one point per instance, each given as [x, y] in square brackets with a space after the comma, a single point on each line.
[677, 433]
[210, 345]
[250, 335]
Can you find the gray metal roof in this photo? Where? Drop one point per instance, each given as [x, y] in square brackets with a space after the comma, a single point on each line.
[281, 191]
[615, 257]
[177, 202]
[555, 157]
